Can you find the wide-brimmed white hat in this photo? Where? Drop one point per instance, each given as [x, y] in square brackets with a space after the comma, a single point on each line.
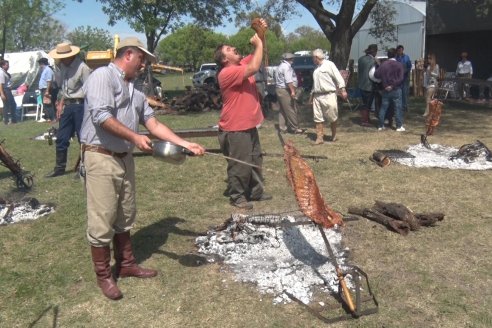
[64, 50]
[135, 42]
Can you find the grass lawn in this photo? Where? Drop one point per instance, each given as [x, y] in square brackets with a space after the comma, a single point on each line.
[434, 277]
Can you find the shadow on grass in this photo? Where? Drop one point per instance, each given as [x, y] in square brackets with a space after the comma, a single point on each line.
[149, 239]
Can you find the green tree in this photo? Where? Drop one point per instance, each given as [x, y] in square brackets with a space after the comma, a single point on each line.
[336, 19]
[190, 45]
[275, 46]
[91, 38]
[306, 38]
[382, 18]
[24, 24]
[156, 18]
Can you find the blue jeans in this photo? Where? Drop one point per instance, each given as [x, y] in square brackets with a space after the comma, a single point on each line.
[393, 96]
[405, 88]
[70, 123]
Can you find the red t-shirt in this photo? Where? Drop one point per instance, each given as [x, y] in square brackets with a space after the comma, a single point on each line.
[241, 108]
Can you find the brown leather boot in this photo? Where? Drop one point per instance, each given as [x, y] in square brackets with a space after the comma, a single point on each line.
[126, 265]
[101, 256]
[319, 134]
[364, 117]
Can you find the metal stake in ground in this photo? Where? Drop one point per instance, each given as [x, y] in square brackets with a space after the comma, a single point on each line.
[341, 280]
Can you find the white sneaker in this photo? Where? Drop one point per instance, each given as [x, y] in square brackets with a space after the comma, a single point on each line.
[380, 129]
[400, 129]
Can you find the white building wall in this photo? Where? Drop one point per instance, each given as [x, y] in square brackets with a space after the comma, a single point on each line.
[410, 22]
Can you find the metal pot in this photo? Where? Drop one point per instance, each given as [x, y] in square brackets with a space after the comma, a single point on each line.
[168, 152]
[171, 153]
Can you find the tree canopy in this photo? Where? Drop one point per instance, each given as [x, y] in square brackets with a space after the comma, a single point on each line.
[91, 38]
[190, 46]
[28, 25]
[156, 18]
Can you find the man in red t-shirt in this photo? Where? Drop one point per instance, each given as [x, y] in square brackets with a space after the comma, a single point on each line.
[241, 113]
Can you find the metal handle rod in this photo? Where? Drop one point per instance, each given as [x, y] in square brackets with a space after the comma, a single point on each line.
[233, 159]
[341, 280]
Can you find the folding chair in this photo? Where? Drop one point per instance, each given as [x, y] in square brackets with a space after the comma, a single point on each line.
[443, 90]
[28, 105]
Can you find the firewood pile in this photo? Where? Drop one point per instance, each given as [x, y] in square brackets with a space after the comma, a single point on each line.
[202, 99]
[397, 217]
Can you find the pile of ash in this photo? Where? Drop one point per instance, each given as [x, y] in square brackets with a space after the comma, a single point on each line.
[26, 209]
[444, 157]
[277, 258]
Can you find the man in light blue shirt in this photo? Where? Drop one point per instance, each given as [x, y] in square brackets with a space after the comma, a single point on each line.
[45, 87]
[286, 84]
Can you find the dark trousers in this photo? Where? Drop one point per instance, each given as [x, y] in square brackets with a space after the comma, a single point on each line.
[367, 99]
[9, 107]
[49, 110]
[242, 180]
[70, 123]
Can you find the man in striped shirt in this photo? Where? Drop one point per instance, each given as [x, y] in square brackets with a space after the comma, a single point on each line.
[113, 110]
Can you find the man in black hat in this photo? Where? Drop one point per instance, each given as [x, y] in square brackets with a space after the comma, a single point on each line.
[365, 84]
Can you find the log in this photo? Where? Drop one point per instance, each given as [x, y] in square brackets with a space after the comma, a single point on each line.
[399, 212]
[429, 219]
[395, 225]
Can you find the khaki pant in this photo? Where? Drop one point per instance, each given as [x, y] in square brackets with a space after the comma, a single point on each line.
[110, 189]
[243, 181]
[287, 117]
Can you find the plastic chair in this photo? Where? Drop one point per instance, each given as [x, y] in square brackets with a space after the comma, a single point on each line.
[38, 106]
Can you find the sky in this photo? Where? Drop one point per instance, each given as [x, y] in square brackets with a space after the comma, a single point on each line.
[89, 12]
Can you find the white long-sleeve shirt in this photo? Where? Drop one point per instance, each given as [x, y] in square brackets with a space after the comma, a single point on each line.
[327, 78]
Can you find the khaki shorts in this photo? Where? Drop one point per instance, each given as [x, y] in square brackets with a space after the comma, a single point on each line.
[325, 105]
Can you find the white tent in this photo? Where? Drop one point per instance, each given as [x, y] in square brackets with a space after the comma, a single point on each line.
[410, 32]
[24, 68]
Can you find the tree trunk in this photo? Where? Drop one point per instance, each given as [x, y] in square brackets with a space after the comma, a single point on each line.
[4, 40]
[341, 42]
[339, 28]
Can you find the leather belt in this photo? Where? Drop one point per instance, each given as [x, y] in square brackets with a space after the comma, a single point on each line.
[101, 150]
[71, 101]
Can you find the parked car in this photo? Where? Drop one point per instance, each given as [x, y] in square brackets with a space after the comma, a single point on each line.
[304, 68]
[207, 75]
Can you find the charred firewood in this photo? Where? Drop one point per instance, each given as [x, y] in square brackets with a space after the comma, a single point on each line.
[396, 225]
[470, 152]
[399, 212]
[429, 219]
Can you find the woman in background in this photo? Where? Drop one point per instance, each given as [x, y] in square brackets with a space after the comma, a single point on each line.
[430, 81]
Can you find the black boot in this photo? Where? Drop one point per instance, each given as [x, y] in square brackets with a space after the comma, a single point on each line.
[61, 163]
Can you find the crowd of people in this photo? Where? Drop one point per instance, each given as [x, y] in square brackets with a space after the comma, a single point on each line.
[104, 109]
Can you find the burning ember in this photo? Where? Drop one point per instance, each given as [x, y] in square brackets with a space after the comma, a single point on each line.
[276, 255]
[446, 157]
[24, 210]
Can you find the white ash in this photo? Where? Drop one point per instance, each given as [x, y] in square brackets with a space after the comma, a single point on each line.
[24, 210]
[438, 156]
[278, 259]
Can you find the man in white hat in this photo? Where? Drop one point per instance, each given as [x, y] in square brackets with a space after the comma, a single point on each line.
[71, 74]
[114, 108]
[286, 84]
